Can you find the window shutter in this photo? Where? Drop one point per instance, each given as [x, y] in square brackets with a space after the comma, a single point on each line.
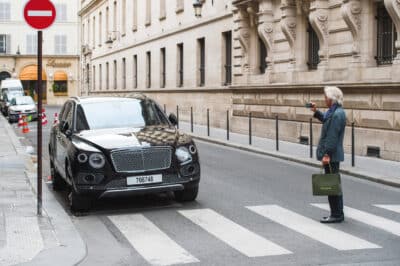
[8, 44]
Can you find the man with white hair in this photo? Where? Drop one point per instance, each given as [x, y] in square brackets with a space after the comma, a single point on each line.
[330, 146]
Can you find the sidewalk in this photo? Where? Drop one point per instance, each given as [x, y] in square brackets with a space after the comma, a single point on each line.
[26, 238]
[374, 169]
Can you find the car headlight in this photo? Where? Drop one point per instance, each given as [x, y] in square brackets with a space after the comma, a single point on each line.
[97, 160]
[82, 157]
[183, 155]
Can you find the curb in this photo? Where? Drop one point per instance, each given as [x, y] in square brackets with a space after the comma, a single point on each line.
[381, 180]
[71, 249]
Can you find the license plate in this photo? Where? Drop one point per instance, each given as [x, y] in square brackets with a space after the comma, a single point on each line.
[144, 179]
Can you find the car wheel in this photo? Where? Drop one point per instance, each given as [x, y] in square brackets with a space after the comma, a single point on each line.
[187, 194]
[58, 183]
[79, 203]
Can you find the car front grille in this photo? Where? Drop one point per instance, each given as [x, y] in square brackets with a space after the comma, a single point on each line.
[141, 160]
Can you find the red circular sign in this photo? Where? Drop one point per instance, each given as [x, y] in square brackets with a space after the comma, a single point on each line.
[39, 14]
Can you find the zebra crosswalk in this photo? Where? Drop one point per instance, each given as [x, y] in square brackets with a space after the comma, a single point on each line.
[160, 248]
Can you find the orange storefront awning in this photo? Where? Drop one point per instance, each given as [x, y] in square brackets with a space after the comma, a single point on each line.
[30, 73]
[60, 76]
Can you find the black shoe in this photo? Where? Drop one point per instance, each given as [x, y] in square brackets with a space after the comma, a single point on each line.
[332, 219]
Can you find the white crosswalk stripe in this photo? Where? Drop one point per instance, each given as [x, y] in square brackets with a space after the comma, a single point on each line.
[313, 229]
[367, 218]
[154, 245]
[390, 207]
[236, 236]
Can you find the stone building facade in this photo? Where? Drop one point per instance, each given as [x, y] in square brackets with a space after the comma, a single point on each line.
[267, 57]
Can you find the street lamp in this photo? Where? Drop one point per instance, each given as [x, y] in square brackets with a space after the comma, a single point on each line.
[110, 41]
[197, 4]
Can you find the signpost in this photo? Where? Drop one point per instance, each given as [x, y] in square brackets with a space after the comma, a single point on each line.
[39, 14]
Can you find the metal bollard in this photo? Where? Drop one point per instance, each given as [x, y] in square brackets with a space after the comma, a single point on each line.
[227, 125]
[208, 122]
[177, 116]
[352, 146]
[165, 109]
[277, 132]
[250, 129]
[191, 119]
[311, 138]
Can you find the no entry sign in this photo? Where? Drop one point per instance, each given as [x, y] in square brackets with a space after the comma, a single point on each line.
[39, 14]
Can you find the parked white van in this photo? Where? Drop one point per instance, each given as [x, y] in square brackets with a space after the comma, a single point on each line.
[11, 85]
[9, 89]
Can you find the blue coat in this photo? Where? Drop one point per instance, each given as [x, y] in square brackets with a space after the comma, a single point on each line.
[332, 134]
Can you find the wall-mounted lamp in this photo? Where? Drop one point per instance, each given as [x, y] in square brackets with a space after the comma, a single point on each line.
[110, 41]
[197, 5]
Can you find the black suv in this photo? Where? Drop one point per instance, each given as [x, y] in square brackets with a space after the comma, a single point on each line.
[109, 146]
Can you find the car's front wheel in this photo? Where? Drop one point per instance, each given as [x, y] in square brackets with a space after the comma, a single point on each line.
[79, 203]
[189, 194]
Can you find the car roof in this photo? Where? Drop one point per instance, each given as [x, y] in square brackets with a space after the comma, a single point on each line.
[99, 99]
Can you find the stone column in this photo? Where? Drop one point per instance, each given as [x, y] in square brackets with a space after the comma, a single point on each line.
[266, 31]
[393, 8]
[318, 16]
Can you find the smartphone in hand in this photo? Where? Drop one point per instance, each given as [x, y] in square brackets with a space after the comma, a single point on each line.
[309, 105]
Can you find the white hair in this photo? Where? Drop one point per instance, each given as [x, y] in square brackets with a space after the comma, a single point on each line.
[334, 93]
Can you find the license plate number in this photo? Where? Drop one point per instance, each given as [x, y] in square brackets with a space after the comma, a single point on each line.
[145, 179]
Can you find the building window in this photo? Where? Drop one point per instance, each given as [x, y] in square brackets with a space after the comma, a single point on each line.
[115, 17]
[60, 44]
[107, 22]
[228, 58]
[5, 11]
[148, 13]
[100, 28]
[163, 12]
[135, 72]
[5, 47]
[123, 73]
[83, 34]
[94, 78]
[263, 54]
[163, 68]
[88, 32]
[313, 48]
[180, 64]
[31, 44]
[202, 61]
[180, 6]
[123, 11]
[148, 69]
[134, 16]
[94, 33]
[115, 74]
[107, 76]
[61, 10]
[386, 37]
[100, 77]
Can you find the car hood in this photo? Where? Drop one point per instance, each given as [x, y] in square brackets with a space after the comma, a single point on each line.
[123, 138]
[21, 108]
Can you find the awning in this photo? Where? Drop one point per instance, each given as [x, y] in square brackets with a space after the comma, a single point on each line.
[30, 73]
[60, 76]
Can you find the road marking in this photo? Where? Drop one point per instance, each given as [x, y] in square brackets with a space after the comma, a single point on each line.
[24, 240]
[313, 229]
[236, 236]
[40, 13]
[154, 245]
[369, 219]
[390, 207]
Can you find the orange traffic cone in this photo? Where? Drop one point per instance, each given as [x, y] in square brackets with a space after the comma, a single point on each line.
[44, 118]
[20, 121]
[25, 128]
[55, 118]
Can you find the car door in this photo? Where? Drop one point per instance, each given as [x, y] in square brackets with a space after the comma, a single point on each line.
[62, 140]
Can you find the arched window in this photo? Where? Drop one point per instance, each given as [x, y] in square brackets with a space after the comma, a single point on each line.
[386, 37]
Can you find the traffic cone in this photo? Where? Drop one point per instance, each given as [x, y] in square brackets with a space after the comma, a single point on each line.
[25, 128]
[44, 118]
[55, 118]
[20, 121]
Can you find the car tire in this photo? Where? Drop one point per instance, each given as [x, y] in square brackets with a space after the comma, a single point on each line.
[79, 203]
[58, 183]
[186, 195]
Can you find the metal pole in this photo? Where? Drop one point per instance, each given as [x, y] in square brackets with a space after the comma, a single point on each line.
[227, 125]
[191, 119]
[177, 116]
[208, 122]
[277, 132]
[165, 108]
[352, 146]
[250, 132]
[39, 125]
[311, 138]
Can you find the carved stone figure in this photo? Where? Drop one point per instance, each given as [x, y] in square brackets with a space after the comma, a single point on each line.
[351, 13]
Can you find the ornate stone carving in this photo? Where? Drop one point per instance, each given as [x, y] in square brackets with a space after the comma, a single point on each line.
[244, 35]
[318, 17]
[351, 13]
[288, 24]
[266, 29]
[393, 8]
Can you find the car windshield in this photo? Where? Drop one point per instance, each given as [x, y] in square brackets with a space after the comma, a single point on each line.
[25, 100]
[119, 114]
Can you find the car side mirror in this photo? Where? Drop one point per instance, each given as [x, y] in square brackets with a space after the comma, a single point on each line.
[173, 119]
[64, 128]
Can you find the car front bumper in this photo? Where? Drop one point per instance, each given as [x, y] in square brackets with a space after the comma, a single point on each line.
[15, 116]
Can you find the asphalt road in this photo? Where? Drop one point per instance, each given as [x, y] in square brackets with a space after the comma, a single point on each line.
[251, 210]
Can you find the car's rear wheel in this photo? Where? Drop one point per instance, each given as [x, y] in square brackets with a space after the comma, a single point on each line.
[58, 183]
[189, 194]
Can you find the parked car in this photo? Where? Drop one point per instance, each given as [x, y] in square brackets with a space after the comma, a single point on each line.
[5, 100]
[22, 105]
[108, 146]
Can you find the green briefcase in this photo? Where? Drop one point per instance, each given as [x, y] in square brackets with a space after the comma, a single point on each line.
[326, 185]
